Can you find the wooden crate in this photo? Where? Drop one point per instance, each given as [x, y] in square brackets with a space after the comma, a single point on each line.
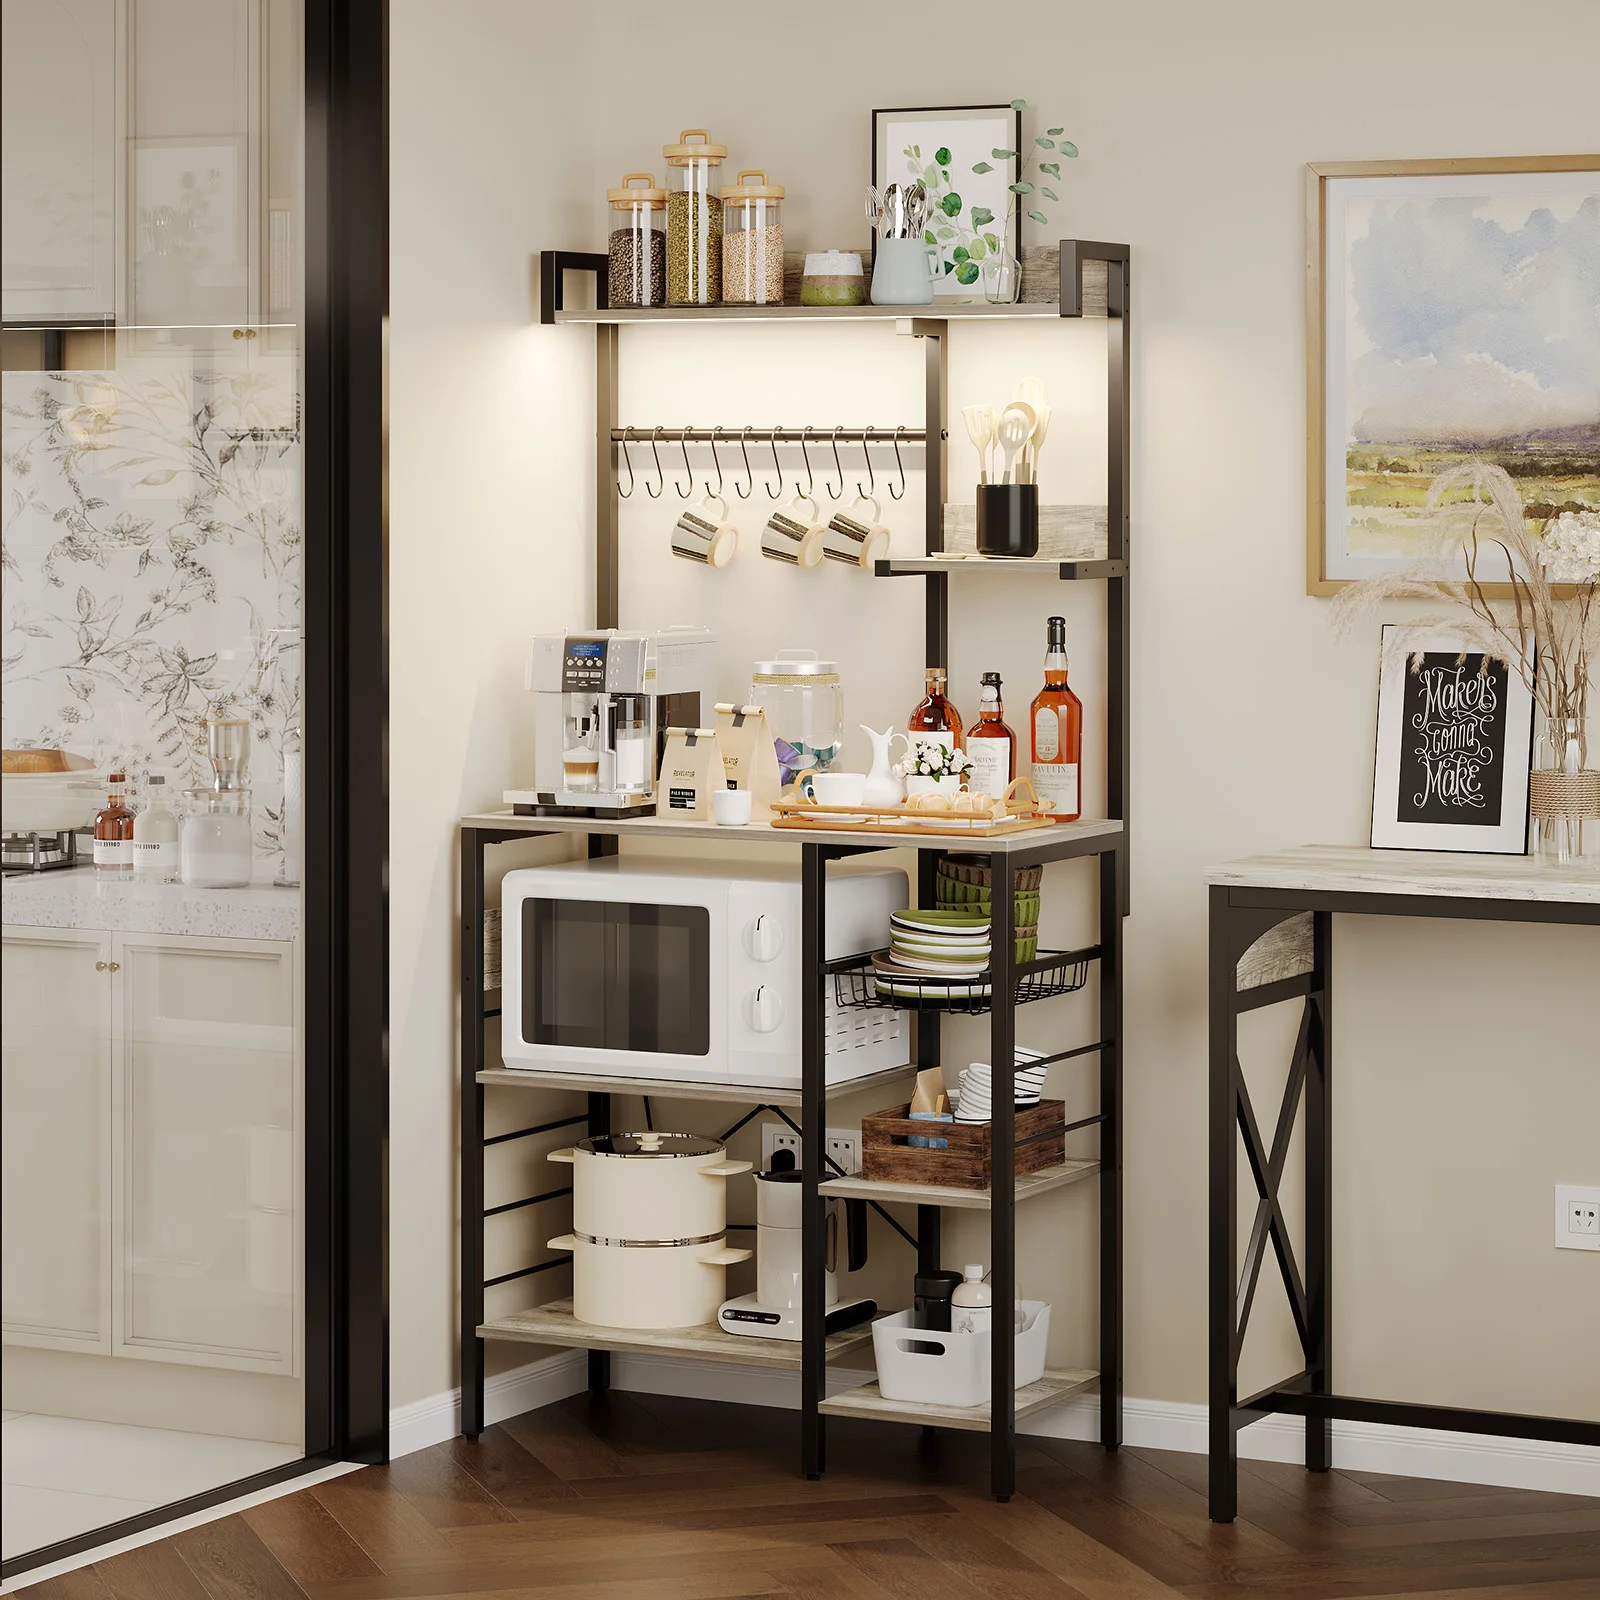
[888, 1156]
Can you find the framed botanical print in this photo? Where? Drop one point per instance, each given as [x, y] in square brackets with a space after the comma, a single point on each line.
[1455, 744]
[1452, 312]
[967, 209]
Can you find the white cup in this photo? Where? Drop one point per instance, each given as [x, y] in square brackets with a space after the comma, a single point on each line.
[855, 542]
[730, 808]
[703, 533]
[793, 533]
[839, 788]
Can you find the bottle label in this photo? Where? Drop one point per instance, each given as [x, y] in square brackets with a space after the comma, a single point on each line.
[113, 852]
[155, 859]
[1058, 787]
[1046, 735]
[991, 766]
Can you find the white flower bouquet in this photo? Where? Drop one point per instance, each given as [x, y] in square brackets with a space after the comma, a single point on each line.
[933, 758]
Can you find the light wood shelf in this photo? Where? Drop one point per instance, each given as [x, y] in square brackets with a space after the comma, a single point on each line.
[990, 566]
[940, 1194]
[673, 1089]
[938, 311]
[1056, 1384]
[554, 1323]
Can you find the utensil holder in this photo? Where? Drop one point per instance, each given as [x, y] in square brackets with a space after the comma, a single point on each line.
[1008, 519]
[900, 273]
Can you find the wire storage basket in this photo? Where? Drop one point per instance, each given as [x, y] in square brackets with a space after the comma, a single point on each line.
[858, 985]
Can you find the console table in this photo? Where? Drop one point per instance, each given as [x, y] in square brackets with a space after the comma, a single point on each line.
[1271, 942]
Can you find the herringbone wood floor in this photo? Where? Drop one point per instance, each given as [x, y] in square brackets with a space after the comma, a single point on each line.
[647, 1498]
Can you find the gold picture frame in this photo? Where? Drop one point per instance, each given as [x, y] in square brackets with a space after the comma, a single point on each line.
[1319, 579]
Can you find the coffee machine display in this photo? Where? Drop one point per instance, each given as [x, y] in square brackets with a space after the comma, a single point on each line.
[602, 703]
[773, 1311]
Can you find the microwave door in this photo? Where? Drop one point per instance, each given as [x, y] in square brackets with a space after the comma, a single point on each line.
[660, 1002]
[568, 954]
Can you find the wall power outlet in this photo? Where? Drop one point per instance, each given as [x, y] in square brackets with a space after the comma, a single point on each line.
[1577, 1216]
[780, 1145]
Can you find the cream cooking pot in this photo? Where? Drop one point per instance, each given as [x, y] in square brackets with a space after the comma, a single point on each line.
[622, 1284]
[649, 1188]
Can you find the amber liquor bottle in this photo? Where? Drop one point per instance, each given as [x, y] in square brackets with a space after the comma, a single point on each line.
[991, 744]
[934, 717]
[1056, 727]
[113, 831]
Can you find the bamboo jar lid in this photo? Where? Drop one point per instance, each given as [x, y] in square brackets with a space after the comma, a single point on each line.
[740, 190]
[694, 144]
[647, 195]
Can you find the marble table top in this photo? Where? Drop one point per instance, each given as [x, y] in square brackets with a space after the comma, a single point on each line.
[1356, 869]
[80, 897]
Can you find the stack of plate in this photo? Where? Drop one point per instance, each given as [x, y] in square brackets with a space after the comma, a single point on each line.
[925, 946]
[975, 1097]
[951, 944]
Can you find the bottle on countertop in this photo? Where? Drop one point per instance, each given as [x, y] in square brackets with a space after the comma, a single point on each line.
[1056, 727]
[113, 829]
[934, 717]
[972, 1304]
[991, 744]
[155, 836]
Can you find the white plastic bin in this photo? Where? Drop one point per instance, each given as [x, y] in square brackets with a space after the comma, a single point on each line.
[952, 1368]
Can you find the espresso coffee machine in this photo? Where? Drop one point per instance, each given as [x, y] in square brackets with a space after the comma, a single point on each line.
[773, 1311]
[602, 704]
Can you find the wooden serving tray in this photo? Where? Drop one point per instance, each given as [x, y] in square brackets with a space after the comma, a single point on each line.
[899, 819]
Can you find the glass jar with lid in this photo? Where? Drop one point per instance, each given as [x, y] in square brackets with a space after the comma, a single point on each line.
[636, 252]
[214, 844]
[804, 703]
[694, 219]
[752, 241]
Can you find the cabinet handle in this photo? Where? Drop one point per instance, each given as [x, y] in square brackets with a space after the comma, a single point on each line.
[113, 966]
[99, 966]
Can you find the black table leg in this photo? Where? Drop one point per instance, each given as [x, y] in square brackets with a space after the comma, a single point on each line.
[1224, 1181]
[813, 1097]
[472, 845]
[1319, 1193]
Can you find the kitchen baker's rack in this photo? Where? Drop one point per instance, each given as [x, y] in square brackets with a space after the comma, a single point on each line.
[1093, 282]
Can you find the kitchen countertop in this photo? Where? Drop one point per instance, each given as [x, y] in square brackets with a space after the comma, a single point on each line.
[79, 897]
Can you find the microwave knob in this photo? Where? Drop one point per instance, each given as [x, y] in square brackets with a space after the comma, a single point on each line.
[763, 938]
[763, 1010]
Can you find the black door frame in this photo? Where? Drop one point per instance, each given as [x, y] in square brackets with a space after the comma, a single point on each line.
[345, 930]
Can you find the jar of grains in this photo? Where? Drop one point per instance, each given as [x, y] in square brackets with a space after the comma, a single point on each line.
[694, 219]
[752, 241]
[636, 270]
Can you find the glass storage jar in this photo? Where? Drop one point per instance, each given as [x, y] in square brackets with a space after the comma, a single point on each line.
[694, 219]
[636, 253]
[752, 241]
[804, 702]
[214, 845]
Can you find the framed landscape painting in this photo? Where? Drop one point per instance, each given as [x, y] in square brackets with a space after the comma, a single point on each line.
[1452, 313]
[967, 210]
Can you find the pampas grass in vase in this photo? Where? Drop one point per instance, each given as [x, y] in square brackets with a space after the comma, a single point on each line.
[1547, 631]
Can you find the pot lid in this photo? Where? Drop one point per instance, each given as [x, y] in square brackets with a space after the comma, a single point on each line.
[649, 1144]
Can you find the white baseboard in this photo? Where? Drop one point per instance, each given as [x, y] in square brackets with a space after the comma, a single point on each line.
[507, 1394]
[1154, 1424]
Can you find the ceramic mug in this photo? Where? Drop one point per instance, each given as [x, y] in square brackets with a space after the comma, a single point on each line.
[700, 535]
[731, 808]
[792, 535]
[856, 543]
[839, 788]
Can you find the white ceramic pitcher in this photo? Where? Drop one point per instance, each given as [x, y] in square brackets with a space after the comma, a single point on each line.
[884, 786]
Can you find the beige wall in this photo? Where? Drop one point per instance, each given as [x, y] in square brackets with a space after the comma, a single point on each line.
[1252, 722]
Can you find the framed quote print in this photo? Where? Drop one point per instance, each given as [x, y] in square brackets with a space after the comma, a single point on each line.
[1455, 743]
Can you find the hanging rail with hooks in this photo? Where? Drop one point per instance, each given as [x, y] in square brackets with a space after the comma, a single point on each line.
[771, 437]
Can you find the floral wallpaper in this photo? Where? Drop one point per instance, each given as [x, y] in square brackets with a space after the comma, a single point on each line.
[151, 552]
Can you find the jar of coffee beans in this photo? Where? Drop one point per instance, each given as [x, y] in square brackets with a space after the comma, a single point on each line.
[636, 261]
[694, 219]
[752, 241]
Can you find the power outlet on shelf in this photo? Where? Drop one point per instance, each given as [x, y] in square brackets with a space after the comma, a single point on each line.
[780, 1147]
[1577, 1216]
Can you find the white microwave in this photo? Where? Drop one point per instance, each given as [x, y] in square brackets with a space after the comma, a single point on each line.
[638, 968]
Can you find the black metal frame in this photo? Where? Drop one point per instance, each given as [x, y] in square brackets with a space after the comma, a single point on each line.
[345, 939]
[1240, 916]
[1111, 850]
